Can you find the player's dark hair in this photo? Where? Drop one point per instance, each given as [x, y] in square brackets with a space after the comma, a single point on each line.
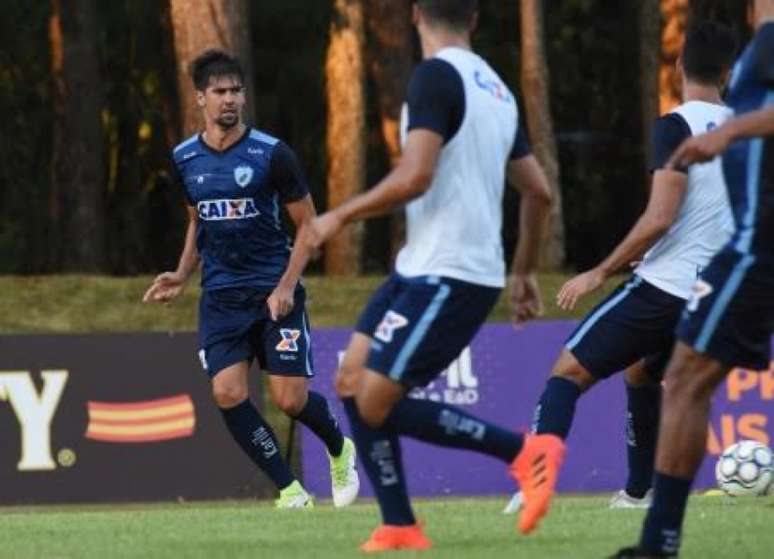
[709, 52]
[213, 64]
[456, 14]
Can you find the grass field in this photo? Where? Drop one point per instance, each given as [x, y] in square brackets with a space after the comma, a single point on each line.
[578, 527]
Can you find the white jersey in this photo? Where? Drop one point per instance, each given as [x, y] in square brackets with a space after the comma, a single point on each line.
[705, 222]
[454, 228]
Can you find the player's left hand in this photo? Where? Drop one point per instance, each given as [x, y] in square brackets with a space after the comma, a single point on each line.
[577, 287]
[280, 302]
[526, 302]
[700, 149]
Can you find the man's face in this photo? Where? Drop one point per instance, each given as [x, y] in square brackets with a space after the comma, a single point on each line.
[223, 101]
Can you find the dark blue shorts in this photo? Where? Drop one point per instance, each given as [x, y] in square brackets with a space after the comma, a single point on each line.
[637, 321]
[419, 325]
[234, 326]
[730, 316]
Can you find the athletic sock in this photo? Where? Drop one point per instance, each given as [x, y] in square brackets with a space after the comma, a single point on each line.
[318, 417]
[556, 408]
[448, 426]
[661, 531]
[258, 441]
[644, 403]
[379, 452]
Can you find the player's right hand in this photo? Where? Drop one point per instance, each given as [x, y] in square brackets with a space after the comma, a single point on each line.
[165, 287]
[577, 287]
[526, 302]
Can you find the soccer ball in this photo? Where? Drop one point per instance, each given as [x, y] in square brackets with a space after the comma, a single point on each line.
[746, 468]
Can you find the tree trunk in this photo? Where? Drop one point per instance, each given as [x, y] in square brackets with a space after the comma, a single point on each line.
[675, 15]
[208, 24]
[650, 57]
[535, 93]
[391, 59]
[345, 131]
[76, 203]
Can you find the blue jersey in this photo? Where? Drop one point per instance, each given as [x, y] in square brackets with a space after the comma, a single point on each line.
[237, 194]
[749, 164]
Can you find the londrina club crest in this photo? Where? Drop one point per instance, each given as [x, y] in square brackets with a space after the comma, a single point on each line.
[243, 175]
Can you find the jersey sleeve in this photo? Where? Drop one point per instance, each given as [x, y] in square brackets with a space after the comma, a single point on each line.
[286, 175]
[668, 133]
[177, 180]
[764, 55]
[521, 146]
[436, 99]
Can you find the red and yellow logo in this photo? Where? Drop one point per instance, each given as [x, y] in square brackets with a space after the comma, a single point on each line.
[139, 422]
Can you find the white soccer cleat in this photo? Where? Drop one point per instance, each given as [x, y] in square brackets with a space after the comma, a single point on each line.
[516, 502]
[622, 500]
[294, 496]
[345, 483]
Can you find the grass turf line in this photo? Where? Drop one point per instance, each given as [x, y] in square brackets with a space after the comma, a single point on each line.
[577, 527]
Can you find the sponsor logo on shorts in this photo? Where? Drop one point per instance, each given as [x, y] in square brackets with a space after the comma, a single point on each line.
[289, 340]
[392, 321]
[700, 290]
[221, 210]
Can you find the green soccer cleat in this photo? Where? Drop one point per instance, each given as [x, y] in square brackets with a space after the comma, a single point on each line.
[294, 496]
[345, 483]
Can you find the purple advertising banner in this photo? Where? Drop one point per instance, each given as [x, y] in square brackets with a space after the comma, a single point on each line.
[500, 378]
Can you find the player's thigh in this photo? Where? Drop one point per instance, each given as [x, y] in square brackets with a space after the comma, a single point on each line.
[636, 320]
[731, 314]
[229, 385]
[692, 377]
[352, 367]
[428, 324]
[284, 347]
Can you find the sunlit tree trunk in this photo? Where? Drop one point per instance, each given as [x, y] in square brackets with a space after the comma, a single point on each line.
[345, 131]
[76, 203]
[390, 46]
[535, 96]
[650, 60]
[199, 25]
[674, 14]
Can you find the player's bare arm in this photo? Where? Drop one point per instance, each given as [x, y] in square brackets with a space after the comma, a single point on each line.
[666, 196]
[526, 175]
[169, 285]
[706, 146]
[280, 302]
[410, 179]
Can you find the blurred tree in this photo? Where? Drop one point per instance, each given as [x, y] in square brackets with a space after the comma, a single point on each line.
[650, 60]
[345, 133]
[198, 26]
[535, 90]
[675, 15]
[76, 202]
[391, 50]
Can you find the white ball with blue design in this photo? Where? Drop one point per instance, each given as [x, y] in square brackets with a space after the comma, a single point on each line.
[746, 468]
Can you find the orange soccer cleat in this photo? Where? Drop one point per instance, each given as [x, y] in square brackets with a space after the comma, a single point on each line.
[536, 469]
[387, 538]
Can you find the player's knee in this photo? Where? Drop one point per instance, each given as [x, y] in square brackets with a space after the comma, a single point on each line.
[371, 415]
[637, 376]
[568, 367]
[347, 379]
[227, 394]
[290, 402]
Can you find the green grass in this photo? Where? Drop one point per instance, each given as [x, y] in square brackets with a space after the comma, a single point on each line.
[578, 527]
[70, 304]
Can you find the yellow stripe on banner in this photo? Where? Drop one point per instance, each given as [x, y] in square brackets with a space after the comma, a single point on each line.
[147, 429]
[134, 415]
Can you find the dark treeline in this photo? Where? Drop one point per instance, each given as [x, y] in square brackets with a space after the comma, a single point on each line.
[594, 51]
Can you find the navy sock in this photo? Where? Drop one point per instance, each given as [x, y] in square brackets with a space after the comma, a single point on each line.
[448, 426]
[644, 403]
[379, 452]
[258, 441]
[661, 531]
[556, 408]
[318, 417]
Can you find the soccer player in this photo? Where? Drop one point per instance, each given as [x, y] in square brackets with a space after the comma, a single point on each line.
[730, 318]
[460, 132]
[235, 179]
[687, 220]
